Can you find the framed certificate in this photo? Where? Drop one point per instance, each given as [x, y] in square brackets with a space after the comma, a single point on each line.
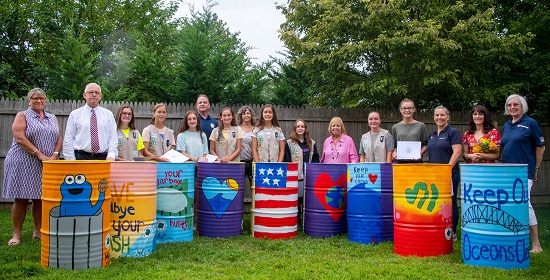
[408, 150]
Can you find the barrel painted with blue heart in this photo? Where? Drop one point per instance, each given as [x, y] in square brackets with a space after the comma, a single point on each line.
[134, 199]
[275, 200]
[75, 214]
[422, 209]
[175, 199]
[495, 215]
[220, 191]
[325, 199]
[370, 202]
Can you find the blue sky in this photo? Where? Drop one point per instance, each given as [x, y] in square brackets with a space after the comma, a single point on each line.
[258, 22]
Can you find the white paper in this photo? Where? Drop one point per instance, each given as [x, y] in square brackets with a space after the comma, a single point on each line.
[175, 156]
[211, 158]
[408, 149]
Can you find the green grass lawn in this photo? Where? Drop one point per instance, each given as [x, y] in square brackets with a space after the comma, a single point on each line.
[245, 257]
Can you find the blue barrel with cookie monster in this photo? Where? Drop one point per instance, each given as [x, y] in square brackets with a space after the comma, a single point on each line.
[495, 215]
[175, 196]
[134, 197]
[220, 191]
[325, 199]
[75, 214]
[370, 202]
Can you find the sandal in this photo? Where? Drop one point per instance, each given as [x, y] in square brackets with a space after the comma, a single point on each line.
[536, 250]
[14, 242]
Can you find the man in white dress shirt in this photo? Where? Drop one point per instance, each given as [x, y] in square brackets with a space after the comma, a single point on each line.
[77, 143]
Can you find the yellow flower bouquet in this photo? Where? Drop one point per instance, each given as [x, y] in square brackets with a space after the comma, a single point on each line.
[485, 145]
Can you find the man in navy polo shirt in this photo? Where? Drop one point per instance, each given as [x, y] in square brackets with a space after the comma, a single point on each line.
[522, 142]
[207, 122]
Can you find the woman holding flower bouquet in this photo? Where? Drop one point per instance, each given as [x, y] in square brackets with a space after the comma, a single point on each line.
[523, 142]
[481, 142]
[445, 146]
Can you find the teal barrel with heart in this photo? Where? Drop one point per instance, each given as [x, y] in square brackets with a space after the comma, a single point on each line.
[175, 196]
[325, 199]
[495, 215]
[220, 192]
[370, 202]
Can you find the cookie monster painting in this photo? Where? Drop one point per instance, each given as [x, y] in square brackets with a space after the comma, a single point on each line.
[76, 196]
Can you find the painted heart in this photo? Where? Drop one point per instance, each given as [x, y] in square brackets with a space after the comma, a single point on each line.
[219, 194]
[373, 178]
[332, 195]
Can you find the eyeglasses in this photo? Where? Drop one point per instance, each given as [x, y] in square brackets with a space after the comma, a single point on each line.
[513, 105]
[38, 99]
[93, 92]
[407, 108]
[127, 114]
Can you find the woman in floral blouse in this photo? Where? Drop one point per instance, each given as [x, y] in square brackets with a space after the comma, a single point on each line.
[481, 142]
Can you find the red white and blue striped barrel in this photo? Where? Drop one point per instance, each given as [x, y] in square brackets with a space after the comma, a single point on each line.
[220, 190]
[325, 199]
[370, 202]
[175, 195]
[275, 201]
[495, 215]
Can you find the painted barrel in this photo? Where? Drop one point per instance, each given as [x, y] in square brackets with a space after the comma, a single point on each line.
[220, 191]
[325, 199]
[75, 214]
[422, 209]
[495, 215]
[134, 199]
[175, 195]
[370, 202]
[275, 200]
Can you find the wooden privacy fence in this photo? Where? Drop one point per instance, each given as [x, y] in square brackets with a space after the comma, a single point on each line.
[317, 120]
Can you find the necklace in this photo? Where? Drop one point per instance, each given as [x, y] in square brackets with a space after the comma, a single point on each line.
[337, 152]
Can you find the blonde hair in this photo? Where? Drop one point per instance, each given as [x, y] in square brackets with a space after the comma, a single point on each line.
[35, 91]
[336, 120]
[155, 109]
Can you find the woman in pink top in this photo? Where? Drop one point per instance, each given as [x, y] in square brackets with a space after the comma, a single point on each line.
[338, 147]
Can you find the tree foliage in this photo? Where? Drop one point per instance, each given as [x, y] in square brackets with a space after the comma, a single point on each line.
[136, 50]
[530, 17]
[213, 61]
[292, 87]
[375, 53]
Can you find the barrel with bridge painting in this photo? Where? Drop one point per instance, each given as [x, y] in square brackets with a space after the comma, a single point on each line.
[422, 209]
[495, 215]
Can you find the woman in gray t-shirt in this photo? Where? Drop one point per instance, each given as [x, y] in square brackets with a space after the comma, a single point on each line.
[409, 129]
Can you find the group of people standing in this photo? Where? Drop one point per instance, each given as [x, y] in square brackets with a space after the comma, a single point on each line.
[93, 133]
